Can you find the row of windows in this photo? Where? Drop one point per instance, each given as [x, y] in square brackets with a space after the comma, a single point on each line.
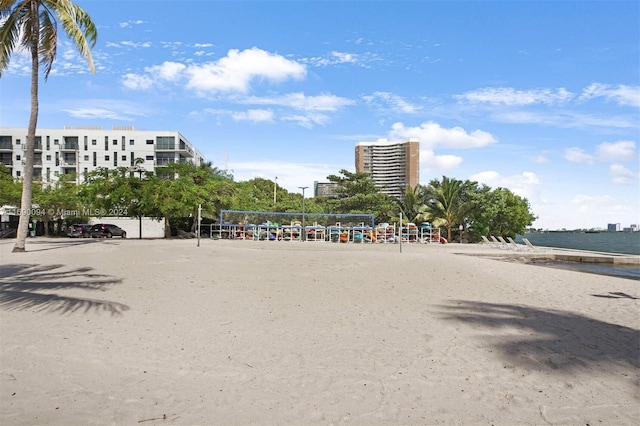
[72, 142]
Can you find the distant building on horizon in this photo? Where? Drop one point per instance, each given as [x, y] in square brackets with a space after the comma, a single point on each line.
[79, 150]
[393, 166]
[324, 189]
[613, 227]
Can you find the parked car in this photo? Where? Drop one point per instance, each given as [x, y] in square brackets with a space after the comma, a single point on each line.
[79, 230]
[107, 230]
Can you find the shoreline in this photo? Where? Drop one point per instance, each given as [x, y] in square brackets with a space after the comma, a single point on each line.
[247, 333]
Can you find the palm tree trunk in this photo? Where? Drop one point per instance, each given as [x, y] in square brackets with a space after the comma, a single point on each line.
[25, 203]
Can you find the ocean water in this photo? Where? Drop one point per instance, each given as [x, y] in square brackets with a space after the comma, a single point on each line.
[608, 242]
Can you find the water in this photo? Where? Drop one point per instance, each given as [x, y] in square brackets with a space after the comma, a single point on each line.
[608, 242]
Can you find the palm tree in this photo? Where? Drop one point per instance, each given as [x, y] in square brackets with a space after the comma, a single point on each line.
[445, 202]
[33, 25]
[413, 204]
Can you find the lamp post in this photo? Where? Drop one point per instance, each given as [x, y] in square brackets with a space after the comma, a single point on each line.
[304, 231]
[461, 228]
[275, 186]
[139, 170]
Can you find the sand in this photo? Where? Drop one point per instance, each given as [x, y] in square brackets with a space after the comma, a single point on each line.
[160, 332]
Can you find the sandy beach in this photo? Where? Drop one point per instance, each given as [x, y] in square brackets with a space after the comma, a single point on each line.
[160, 332]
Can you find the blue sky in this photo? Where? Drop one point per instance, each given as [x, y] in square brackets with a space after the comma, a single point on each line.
[542, 98]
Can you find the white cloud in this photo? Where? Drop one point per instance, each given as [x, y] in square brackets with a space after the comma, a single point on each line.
[233, 73]
[307, 120]
[623, 176]
[431, 134]
[130, 23]
[169, 71]
[511, 96]
[564, 119]
[254, 115]
[525, 185]
[617, 151]
[302, 102]
[620, 151]
[540, 159]
[99, 109]
[342, 57]
[137, 82]
[388, 101]
[135, 44]
[335, 58]
[622, 94]
[238, 69]
[440, 163]
[577, 155]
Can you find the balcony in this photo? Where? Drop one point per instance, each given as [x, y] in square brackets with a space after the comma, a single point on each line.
[69, 146]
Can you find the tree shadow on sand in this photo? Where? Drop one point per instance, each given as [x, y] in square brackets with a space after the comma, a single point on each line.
[30, 287]
[550, 339]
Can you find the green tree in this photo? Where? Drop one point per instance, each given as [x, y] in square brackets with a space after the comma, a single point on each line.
[257, 195]
[179, 188]
[501, 212]
[55, 200]
[32, 24]
[10, 188]
[357, 193]
[446, 202]
[414, 204]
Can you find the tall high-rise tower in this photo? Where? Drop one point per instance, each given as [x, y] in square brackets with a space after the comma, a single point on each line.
[393, 166]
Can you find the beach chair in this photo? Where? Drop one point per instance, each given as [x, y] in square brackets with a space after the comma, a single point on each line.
[529, 245]
[504, 244]
[516, 245]
[496, 242]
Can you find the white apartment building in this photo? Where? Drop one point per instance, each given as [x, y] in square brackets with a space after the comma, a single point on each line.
[78, 150]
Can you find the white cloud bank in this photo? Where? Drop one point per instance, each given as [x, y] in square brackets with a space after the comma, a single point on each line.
[431, 134]
[232, 73]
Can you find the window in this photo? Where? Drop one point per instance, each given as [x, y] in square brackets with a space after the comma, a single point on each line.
[5, 142]
[132, 142]
[106, 143]
[49, 157]
[86, 158]
[55, 142]
[17, 173]
[106, 158]
[17, 141]
[124, 142]
[165, 142]
[149, 141]
[48, 146]
[95, 159]
[94, 142]
[70, 142]
[149, 157]
[115, 160]
[86, 143]
[115, 141]
[17, 158]
[164, 158]
[124, 158]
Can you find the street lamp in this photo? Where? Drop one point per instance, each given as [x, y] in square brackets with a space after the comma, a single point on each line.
[275, 186]
[461, 228]
[304, 231]
[140, 171]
